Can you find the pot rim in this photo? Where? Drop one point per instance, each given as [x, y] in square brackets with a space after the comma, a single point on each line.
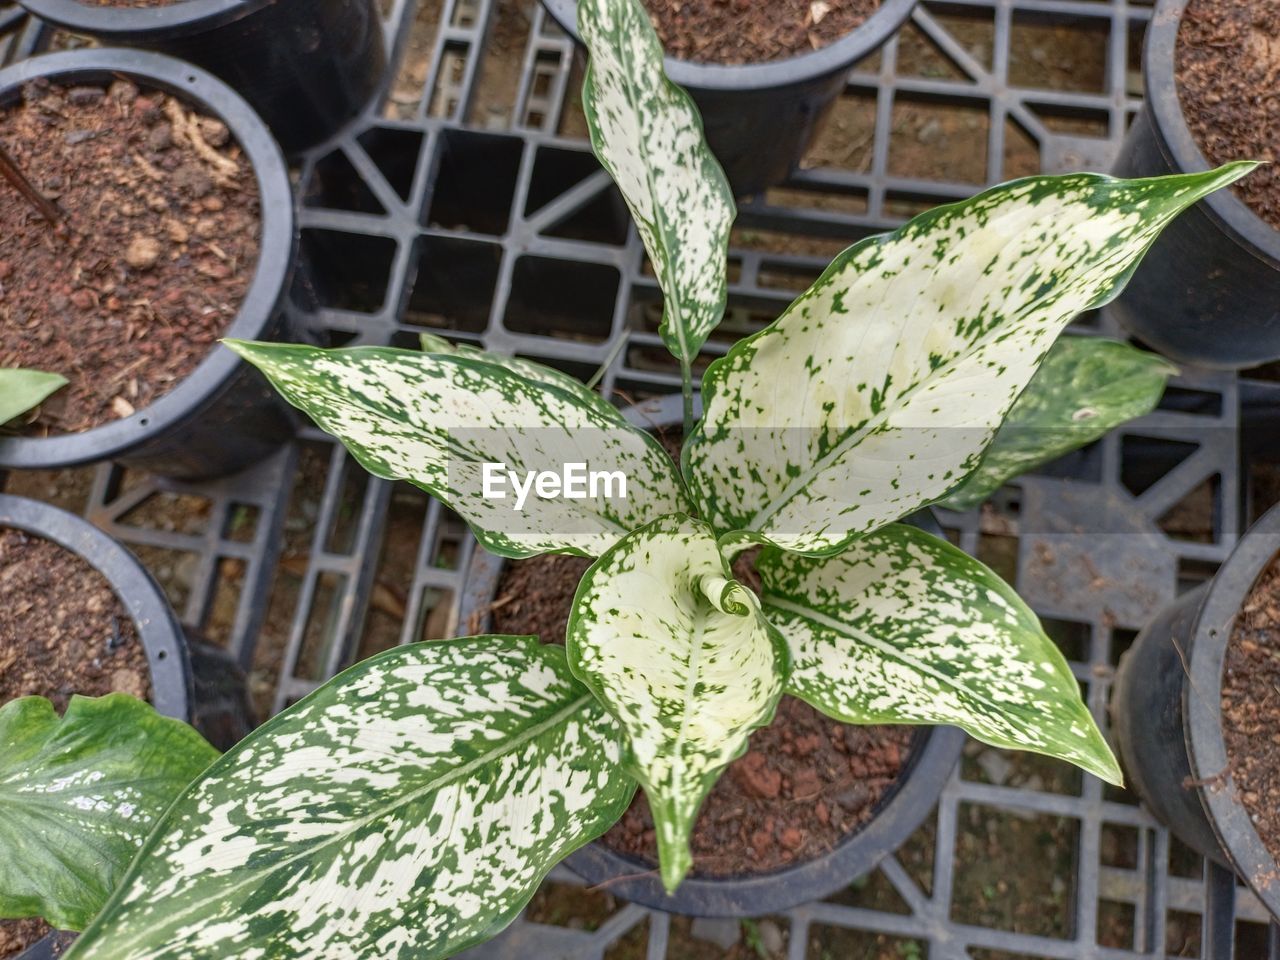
[1174, 136]
[158, 628]
[1202, 708]
[139, 23]
[833, 58]
[266, 291]
[935, 751]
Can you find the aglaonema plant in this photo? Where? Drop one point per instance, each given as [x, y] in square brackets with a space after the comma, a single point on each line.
[410, 807]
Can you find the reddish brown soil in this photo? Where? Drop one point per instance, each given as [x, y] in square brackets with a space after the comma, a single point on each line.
[62, 631]
[62, 628]
[163, 241]
[17, 935]
[749, 31]
[1228, 69]
[1251, 706]
[805, 783]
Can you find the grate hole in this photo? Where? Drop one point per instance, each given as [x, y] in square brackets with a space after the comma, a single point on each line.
[942, 141]
[562, 298]
[987, 841]
[475, 181]
[1183, 934]
[1058, 54]
[1145, 460]
[347, 271]
[453, 285]
[335, 185]
[1116, 924]
[395, 153]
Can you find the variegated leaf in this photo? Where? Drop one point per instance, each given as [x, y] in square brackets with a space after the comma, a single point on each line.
[529, 369]
[436, 420]
[1085, 387]
[405, 810]
[678, 651]
[79, 794]
[648, 135]
[878, 390]
[23, 390]
[905, 628]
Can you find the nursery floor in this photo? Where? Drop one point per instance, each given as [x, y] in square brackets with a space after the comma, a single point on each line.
[469, 202]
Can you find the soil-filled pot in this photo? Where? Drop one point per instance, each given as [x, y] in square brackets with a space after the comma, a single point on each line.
[307, 66]
[1208, 292]
[892, 775]
[145, 652]
[1172, 735]
[148, 272]
[152, 643]
[760, 117]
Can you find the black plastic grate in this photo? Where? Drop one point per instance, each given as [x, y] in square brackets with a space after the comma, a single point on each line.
[468, 202]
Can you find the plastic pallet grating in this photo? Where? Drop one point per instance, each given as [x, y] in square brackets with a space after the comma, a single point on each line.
[468, 201]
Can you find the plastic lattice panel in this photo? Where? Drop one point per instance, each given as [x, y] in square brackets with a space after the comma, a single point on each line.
[467, 201]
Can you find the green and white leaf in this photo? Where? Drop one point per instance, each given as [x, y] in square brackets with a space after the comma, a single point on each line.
[679, 652]
[404, 811]
[436, 420]
[529, 369]
[878, 390]
[79, 795]
[24, 390]
[648, 135]
[905, 628]
[1086, 387]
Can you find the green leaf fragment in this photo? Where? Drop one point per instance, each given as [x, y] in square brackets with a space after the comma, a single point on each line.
[879, 389]
[436, 420]
[679, 652]
[79, 794]
[905, 628]
[1086, 387]
[648, 135]
[404, 811]
[24, 390]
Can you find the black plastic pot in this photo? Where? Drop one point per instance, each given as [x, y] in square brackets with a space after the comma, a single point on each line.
[223, 416]
[1166, 713]
[158, 629]
[761, 117]
[934, 753]
[208, 693]
[307, 66]
[1208, 292]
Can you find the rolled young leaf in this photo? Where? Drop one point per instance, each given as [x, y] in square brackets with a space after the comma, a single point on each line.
[648, 135]
[436, 420]
[23, 390]
[407, 809]
[79, 794]
[905, 628]
[679, 652]
[1086, 387]
[878, 390]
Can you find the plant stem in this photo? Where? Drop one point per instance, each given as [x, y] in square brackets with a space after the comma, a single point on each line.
[686, 374]
[608, 361]
[43, 205]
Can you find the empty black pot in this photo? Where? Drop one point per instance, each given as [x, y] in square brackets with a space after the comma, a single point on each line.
[1208, 292]
[760, 117]
[224, 416]
[307, 66]
[934, 753]
[1167, 719]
